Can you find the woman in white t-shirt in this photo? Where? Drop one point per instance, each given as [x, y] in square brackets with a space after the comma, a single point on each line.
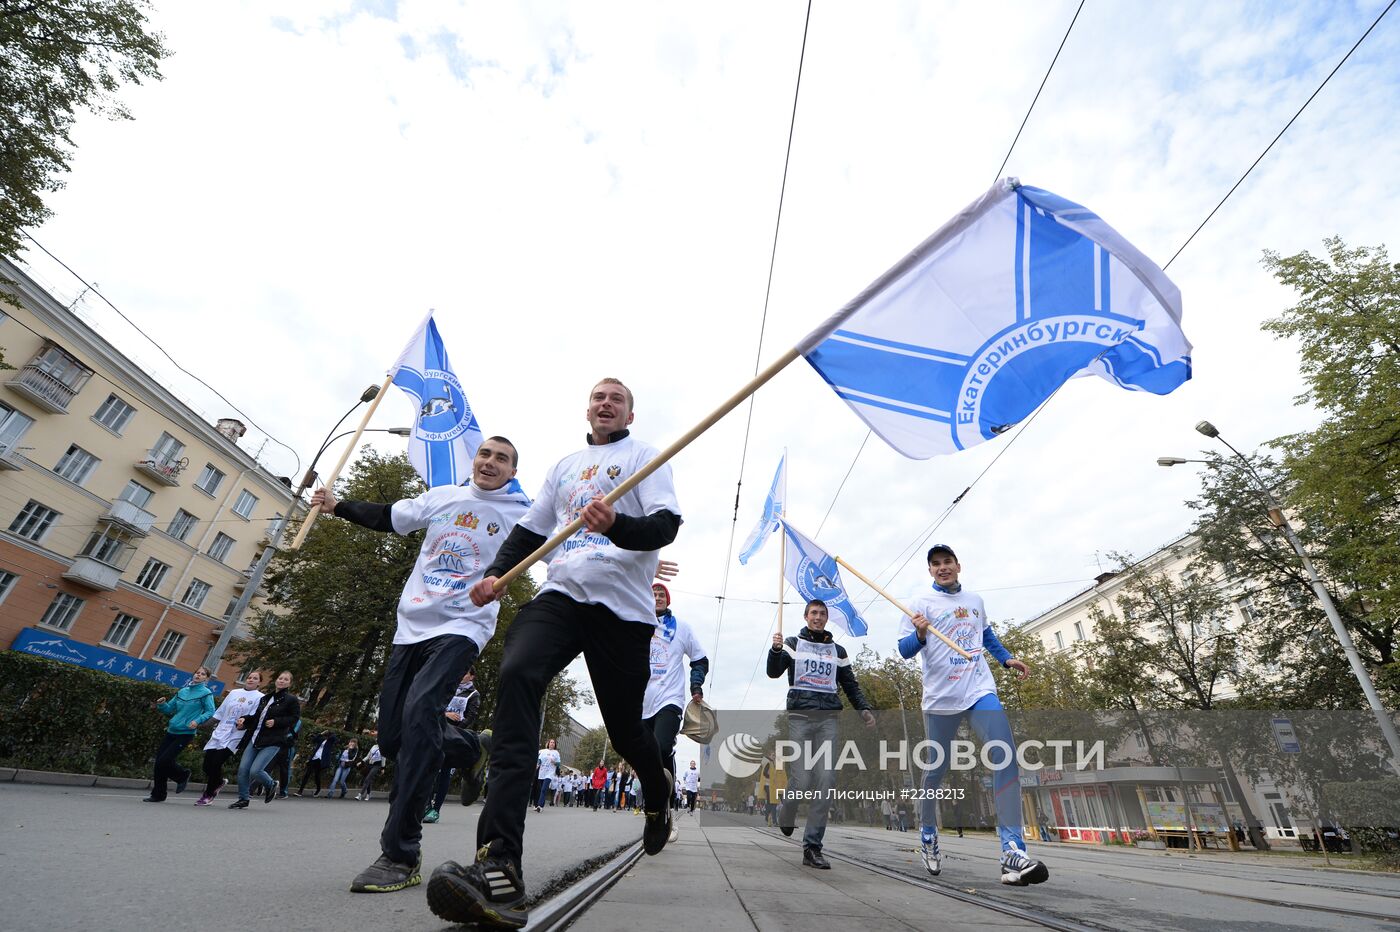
[345, 765]
[223, 743]
[548, 767]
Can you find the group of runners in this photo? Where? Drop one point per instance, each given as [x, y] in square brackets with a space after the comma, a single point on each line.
[598, 601]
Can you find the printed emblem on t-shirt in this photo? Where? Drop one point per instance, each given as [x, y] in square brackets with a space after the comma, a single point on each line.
[493, 529]
[588, 473]
[468, 520]
[614, 471]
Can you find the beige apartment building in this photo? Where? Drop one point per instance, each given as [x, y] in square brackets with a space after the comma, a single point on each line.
[127, 521]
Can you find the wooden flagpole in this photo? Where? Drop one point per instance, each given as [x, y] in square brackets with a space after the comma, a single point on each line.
[335, 473]
[782, 575]
[899, 605]
[662, 459]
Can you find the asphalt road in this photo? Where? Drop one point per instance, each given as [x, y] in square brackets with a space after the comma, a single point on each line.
[1130, 889]
[97, 859]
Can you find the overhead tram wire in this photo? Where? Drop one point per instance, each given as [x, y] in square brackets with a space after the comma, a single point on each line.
[162, 349]
[926, 535]
[1251, 168]
[762, 325]
[1026, 118]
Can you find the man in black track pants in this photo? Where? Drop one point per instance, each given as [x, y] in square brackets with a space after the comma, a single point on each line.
[596, 601]
[439, 636]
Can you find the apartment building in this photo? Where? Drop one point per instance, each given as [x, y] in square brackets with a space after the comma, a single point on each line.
[127, 521]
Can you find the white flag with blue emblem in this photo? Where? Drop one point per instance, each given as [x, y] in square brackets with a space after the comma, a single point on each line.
[772, 515]
[972, 331]
[445, 432]
[813, 573]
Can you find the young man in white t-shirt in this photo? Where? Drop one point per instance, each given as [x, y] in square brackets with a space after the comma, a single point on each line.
[596, 601]
[663, 705]
[954, 688]
[440, 634]
[692, 786]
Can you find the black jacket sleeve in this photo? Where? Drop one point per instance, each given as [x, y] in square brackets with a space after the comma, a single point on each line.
[780, 662]
[847, 681]
[472, 711]
[372, 515]
[653, 532]
[699, 669]
[519, 544]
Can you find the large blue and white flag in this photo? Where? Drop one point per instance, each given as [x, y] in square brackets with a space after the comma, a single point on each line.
[813, 573]
[445, 432]
[970, 332]
[772, 516]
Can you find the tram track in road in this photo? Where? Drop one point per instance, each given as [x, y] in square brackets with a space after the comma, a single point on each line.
[561, 909]
[944, 888]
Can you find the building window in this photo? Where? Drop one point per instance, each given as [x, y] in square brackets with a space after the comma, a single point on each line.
[61, 611]
[1079, 630]
[152, 574]
[12, 427]
[76, 465]
[137, 494]
[1059, 641]
[220, 547]
[7, 582]
[228, 610]
[245, 504]
[167, 450]
[182, 524]
[111, 546]
[209, 480]
[195, 593]
[123, 627]
[114, 414]
[169, 647]
[34, 520]
[57, 363]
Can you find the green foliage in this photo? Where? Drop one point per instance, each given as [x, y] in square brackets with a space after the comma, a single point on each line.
[1056, 680]
[592, 748]
[57, 59]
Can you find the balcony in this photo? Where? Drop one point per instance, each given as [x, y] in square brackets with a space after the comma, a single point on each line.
[136, 520]
[9, 458]
[45, 390]
[164, 471]
[94, 574]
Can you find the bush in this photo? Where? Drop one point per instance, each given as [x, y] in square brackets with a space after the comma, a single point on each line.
[55, 716]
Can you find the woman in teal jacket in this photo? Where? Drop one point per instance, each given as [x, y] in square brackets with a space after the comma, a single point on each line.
[189, 708]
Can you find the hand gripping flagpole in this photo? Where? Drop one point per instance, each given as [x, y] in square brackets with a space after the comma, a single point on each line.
[662, 459]
[899, 605]
[335, 473]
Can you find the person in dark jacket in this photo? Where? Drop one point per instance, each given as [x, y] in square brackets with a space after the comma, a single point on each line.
[815, 666]
[323, 747]
[189, 708]
[267, 729]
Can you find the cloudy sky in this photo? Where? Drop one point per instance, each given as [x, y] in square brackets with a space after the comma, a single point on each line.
[591, 189]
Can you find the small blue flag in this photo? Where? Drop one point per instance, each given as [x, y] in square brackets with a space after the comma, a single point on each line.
[773, 507]
[813, 573]
[445, 434]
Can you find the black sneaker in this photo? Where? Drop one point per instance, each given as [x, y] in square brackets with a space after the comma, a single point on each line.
[787, 818]
[657, 830]
[238, 804]
[271, 792]
[471, 780]
[386, 875]
[488, 892]
[812, 857]
[180, 785]
[1021, 871]
[152, 799]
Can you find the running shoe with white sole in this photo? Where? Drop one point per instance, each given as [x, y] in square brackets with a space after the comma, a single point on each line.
[488, 891]
[1019, 870]
[933, 859]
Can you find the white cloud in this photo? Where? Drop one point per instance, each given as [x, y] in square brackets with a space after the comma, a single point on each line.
[584, 190]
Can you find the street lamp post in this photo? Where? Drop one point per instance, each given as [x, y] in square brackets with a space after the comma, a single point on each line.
[1280, 521]
[256, 572]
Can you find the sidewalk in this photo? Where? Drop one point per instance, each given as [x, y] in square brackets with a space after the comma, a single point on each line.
[723, 879]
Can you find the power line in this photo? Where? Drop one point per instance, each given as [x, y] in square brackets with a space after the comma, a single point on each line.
[1280, 133]
[763, 322]
[162, 349]
[1027, 117]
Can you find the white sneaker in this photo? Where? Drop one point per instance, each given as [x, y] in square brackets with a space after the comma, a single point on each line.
[933, 860]
[1019, 870]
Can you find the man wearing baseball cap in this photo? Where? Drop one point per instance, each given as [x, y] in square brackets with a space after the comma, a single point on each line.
[956, 687]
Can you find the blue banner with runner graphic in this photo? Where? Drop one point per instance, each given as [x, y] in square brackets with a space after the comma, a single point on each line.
[42, 643]
[972, 331]
[445, 431]
[813, 573]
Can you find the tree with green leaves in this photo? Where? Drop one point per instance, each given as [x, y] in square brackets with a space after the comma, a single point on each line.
[57, 59]
[591, 748]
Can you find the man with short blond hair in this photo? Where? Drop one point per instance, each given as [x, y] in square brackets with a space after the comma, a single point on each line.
[596, 601]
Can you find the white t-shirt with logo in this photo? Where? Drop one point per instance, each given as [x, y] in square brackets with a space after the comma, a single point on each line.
[814, 666]
[466, 527]
[951, 682]
[671, 642]
[548, 763]
[237, 703]
[588, 567]
[692, 779]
